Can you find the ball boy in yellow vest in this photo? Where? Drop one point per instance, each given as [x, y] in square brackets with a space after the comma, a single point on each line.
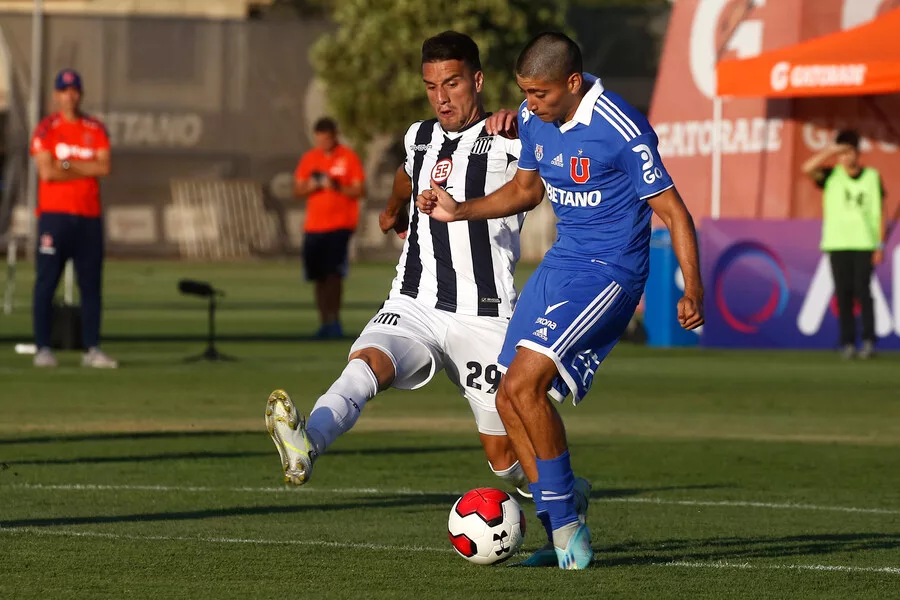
[852, 233]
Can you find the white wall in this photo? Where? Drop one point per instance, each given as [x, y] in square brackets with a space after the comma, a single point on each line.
[214, 9]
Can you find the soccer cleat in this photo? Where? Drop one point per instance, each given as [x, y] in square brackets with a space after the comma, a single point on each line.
[97, 359]
[330, 331]
[546, 555]
[45, 358]
[848, 352]
[868, 350]
[578, 553]
[288, 431]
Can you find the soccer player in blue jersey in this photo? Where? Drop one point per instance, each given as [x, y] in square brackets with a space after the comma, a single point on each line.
[596, 157]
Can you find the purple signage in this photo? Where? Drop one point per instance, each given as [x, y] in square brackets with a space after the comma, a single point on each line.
[769, 286]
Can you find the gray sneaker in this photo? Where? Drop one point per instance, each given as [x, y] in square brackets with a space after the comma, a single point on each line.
[868, 350]
[45, 358]
[848, 352]
[97, 359]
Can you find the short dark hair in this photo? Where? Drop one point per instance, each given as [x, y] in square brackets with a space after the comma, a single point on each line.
[451, 45]
[325, 125]
[550, 56]
[848, 137]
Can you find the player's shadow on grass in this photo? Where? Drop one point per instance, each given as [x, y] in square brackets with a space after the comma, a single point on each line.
[418, 501]
[198, 338]
[209, 455]
[164, 456]
[124, 435]
[612, 493]
[737, 548]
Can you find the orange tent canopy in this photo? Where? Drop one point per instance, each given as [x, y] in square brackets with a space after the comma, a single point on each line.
[859, 61]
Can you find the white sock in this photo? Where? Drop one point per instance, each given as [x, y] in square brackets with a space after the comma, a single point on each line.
[562, 535]
[515, 476]
[337, 410]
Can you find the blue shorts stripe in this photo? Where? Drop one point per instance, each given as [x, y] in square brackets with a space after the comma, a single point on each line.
[581, 318]
[598, 314]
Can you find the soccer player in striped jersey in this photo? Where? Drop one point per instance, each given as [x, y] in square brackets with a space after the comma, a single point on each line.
[596, 158]
[453, 295]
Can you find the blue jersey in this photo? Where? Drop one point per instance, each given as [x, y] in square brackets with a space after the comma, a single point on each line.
[599, 168]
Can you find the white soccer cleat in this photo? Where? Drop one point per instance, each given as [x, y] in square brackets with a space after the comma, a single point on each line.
[288, 431]
[97, 359]
[45, 358]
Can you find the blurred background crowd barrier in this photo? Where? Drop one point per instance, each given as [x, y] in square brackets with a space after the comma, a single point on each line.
[207, 119]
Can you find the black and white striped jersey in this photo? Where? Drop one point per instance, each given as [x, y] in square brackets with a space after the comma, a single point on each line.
[464, 267]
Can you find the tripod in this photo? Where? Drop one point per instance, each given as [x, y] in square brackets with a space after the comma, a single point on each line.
[206, 290]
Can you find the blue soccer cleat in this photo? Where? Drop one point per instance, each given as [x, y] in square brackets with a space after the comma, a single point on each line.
[578, 553]
[546, 555]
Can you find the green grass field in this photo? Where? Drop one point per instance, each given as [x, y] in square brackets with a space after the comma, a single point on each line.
[716, 474]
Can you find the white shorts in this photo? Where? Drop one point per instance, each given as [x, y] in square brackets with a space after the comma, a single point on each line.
[465, 346]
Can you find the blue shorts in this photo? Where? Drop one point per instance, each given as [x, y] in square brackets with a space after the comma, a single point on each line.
[573, 317]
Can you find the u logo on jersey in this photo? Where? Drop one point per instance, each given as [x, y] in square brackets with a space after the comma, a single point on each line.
[580, 169]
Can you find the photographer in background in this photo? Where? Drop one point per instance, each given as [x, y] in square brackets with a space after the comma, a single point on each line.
[853, 228]
[331, 178]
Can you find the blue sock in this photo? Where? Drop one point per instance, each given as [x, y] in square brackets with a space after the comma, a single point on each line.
[541, 508]
[556, 484]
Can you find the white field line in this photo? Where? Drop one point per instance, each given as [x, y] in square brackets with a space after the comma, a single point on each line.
[219, 540]
[750, 504]
[745, 565]
[410, 492]
[32, 531]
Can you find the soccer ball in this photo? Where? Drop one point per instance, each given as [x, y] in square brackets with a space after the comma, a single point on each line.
[486, 526]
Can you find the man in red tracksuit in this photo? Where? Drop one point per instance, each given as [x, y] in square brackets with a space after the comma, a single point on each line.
[71, 151]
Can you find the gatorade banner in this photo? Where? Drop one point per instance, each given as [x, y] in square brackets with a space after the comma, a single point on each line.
[764, 141]
[768, 286]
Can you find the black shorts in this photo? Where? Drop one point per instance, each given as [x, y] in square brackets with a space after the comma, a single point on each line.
[325, 254]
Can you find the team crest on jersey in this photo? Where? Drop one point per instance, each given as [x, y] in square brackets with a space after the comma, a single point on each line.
[580, 169]
[483, 145]
[441, 170]
[538, 151]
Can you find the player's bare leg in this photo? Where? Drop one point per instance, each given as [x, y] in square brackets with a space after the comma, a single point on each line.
[503, 462]
[518, 436]
[524, 393]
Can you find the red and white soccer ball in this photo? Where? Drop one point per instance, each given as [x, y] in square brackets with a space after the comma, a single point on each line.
[486, 526]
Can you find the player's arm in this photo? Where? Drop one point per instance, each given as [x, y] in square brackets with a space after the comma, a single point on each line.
[878, 254]
[395, 217]
[504, 122]
[99, 167]
[520, 194]
[814, 165]
[50, 169]
[669, 207]
[356, 188]
[305, 187]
